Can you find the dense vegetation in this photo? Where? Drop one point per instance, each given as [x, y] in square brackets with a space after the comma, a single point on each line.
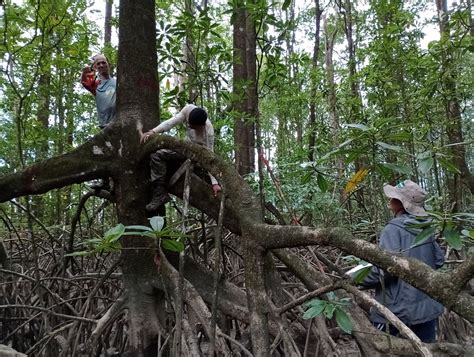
[336, 99]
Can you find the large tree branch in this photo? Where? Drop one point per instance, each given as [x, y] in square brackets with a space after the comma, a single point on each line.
[237, 190]
[91, 160]
[444, 287]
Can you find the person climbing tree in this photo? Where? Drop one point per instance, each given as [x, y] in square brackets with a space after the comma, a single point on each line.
[103, 88]
[199, 130]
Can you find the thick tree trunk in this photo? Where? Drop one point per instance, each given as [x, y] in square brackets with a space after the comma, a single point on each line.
[137, 110]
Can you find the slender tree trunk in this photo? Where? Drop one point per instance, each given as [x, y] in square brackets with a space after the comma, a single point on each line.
[334, 118]
[331, 96]
[356, 109]
[190, 64]
[314, 84]
[252, 91]
[44, 84]
[108, 22]
[355, 113]
[453, 111]
[471, 19]
[244, 127]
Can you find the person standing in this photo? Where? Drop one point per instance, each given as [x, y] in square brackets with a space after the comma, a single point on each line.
[199, 130]
[102, 86]
[414, 308]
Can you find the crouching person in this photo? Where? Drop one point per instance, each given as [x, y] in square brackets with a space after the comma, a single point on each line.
[199, 130]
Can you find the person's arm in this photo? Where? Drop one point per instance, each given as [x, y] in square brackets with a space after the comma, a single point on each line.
[168, 124]
[88, 80]
[389, 241]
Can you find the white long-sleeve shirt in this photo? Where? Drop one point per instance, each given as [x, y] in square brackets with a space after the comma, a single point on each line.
[203, 136]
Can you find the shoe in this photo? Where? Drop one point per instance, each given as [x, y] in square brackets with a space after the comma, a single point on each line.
[159, 198]
[100, 185]
[157, 202]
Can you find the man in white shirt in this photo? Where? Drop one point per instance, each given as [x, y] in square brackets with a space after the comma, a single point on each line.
[199, 130]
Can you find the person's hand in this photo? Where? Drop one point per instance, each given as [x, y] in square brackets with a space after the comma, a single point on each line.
[146, 136]
[216, 188]
[87, 73]
[87, 69]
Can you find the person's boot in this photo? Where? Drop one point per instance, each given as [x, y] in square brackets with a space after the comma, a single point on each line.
[159, 198]
[100, 184]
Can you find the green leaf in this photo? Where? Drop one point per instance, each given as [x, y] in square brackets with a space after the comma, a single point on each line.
[424, 235]
[468, 233]
[358, 126]
[464, 214]
[151, 234]
[347, 142]
[286, 3]
[388, 146]
[141, 228]
[362, 274]
[398, 168]
[345, 301]
[424, 155]
[92, 241]
[399, 136]
[157, 223]
[172, 245]
[113, 234]
[322, 183]
[448, 165]
[425, 165]
[113, 247]
[329, 310]
[382, 170]
[343, 321]
[314, 302]
[306, 177]
[313, 311]
[453, 238]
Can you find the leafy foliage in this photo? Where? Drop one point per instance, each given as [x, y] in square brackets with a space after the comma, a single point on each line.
[167, 237]
[329, 308]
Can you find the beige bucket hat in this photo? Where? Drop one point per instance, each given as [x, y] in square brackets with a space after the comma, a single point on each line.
[410, 195]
